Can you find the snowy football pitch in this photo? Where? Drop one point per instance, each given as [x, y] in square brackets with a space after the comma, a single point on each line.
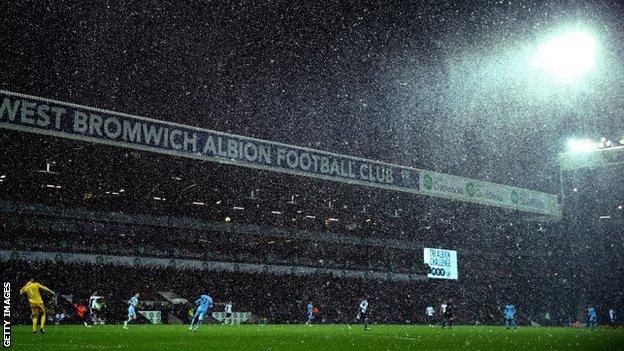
[318, 337]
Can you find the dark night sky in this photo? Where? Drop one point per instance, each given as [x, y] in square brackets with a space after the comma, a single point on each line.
[406, 83]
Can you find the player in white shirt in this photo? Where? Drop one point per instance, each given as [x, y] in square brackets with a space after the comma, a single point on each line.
[228, 312]
[443, 306]
[612, 318]
[363, 313]
[430, 312]
[94, 306]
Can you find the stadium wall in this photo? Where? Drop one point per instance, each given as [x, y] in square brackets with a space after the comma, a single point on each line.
[137, 261]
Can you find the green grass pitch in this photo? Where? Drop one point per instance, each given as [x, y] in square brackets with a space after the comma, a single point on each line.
[317, 337]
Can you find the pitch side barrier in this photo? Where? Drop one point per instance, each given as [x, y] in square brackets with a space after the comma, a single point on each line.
[70, 121]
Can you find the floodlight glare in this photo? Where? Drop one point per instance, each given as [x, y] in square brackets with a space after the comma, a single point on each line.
[567, 56]
[581, 145]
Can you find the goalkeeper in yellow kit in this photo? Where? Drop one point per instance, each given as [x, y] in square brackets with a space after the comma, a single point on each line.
[31, 289]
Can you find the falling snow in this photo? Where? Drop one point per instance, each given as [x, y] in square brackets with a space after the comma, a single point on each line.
[490, 91]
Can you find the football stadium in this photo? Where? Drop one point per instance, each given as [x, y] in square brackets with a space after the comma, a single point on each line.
[312, 176]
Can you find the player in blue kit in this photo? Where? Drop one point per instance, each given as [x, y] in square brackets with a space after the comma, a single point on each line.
[133, 302]
[592, 318]
[204, 304]
[510, 316]
[310, 313]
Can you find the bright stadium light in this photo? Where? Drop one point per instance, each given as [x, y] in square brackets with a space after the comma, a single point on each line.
[568, 56]
[581, 145]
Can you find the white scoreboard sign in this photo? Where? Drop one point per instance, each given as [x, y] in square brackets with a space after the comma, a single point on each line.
[442, 263]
